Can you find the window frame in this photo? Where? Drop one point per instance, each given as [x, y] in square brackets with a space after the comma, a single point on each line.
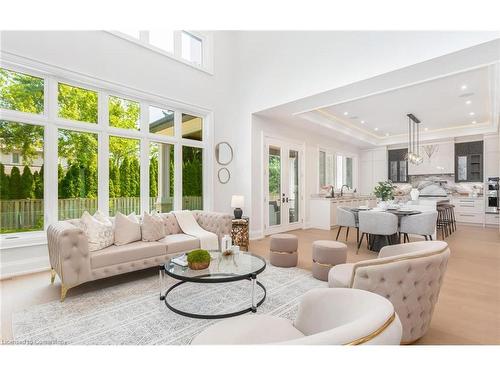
[206, 47]
[51, 123]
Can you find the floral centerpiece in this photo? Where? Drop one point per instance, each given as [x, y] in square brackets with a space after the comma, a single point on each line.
[384, 191]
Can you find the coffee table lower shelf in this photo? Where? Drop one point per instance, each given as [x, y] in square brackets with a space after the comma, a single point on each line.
[201, 280]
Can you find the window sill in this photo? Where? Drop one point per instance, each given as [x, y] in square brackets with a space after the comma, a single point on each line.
[161, 52]
[13, 240]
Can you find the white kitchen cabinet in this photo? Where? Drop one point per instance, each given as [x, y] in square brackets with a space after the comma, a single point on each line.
[469, 210]
[323, 211]
[491, 157]
[373, 168]
[492, 219]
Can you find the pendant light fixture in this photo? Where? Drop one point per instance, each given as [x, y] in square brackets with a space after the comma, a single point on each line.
[413, 155]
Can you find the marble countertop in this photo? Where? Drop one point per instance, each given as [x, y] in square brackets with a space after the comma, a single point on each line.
[343, 198]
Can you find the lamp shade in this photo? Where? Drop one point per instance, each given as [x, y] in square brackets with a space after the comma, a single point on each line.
[238, 201]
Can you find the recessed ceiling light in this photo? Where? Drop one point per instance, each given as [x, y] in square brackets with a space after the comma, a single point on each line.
[464, 87]
[375, 129]
[362, 121]
[346, 113]
[468, 102]
[426, 129]
[471, 113]
[474, 122]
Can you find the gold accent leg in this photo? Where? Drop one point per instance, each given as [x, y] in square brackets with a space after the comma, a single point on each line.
[52, 275]
[64, 290]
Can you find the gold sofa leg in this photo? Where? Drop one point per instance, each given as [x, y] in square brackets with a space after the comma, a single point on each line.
[64, 290]
[52, 275]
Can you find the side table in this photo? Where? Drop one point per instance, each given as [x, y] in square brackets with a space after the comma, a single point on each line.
[240, 232]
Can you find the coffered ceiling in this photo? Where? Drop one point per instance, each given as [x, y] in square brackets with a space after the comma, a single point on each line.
[456, 101]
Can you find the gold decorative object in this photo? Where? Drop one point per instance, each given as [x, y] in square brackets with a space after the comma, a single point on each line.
[240, 232]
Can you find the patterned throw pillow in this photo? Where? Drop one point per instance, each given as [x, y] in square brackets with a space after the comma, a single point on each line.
[98, 229]
[127, 229]
[153, 228]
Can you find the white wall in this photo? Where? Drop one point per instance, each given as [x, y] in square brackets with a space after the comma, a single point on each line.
[312, 142]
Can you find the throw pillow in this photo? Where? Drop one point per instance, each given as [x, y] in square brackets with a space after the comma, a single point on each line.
[99, 233]
[127, 229]
[153, 228]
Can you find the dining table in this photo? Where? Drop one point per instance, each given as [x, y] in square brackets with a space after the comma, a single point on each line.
[374, 241]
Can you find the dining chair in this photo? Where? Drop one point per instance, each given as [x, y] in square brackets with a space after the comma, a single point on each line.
[375, 223]
[423, 224]
[346, 218]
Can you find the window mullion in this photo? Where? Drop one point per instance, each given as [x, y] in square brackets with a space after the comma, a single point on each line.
[103, 154]
[144, 158]
[177, 162]
[50, 188]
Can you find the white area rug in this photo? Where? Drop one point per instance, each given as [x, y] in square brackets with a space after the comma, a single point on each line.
[131, 313]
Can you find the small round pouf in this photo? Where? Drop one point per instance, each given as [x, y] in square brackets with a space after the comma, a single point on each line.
[283, 250]
[325, 255]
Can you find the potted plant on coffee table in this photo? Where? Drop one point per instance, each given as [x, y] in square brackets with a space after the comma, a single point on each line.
[198, 259]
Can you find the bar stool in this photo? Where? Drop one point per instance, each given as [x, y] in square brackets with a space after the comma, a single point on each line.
[441, 221]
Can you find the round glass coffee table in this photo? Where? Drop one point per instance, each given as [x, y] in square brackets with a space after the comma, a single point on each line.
[222, 269]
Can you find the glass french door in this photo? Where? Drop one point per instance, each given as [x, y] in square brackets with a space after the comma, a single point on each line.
[283, 186]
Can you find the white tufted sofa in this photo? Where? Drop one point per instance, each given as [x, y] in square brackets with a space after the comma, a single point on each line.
[409, 275]
[324, 317]
[72, 261]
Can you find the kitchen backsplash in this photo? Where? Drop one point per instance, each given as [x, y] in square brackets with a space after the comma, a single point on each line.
[445, 181]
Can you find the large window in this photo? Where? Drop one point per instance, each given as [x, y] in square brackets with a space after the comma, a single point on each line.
[76, 173]
[21, 186]
[21, 92]
[344, 171]
[161, 177]
[326, 168]
[124, 113]
[192, 178]
[77, 104]
[124, 176]
[192, 127]
[161, 121]
[187, 46]
[191, 48]
[128, 161]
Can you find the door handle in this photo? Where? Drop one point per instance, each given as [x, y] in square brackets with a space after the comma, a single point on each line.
[286, 199]
[283, 200]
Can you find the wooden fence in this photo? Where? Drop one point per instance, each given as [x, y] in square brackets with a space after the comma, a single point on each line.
[27, 214]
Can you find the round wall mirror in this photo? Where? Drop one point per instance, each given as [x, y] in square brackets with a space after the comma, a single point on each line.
[224, 175]
[223, 153]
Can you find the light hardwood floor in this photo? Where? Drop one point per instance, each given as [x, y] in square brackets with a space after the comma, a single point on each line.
[467, 312]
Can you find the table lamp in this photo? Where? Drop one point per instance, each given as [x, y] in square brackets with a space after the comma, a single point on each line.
[238, 202]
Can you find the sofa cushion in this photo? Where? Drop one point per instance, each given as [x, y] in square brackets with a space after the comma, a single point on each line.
[127, 229]
[249, 330]
[177, 243]
[99, 231]
[171, 224]
[153, 228]
[126, 253]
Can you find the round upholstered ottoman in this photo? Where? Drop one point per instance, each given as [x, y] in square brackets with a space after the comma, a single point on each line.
[283, 250]
[325, 255]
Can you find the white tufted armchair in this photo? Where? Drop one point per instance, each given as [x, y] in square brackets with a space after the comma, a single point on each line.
[409, 275]
[325, 317]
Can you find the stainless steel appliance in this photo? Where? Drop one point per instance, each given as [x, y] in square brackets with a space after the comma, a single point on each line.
[491, 194]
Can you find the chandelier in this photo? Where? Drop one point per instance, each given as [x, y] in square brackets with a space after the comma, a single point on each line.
[413, 155]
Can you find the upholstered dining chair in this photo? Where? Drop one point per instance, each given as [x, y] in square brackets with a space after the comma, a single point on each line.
[346, 219]
[423, 224]
[377, 223]
[409, 275]
[325, 317]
